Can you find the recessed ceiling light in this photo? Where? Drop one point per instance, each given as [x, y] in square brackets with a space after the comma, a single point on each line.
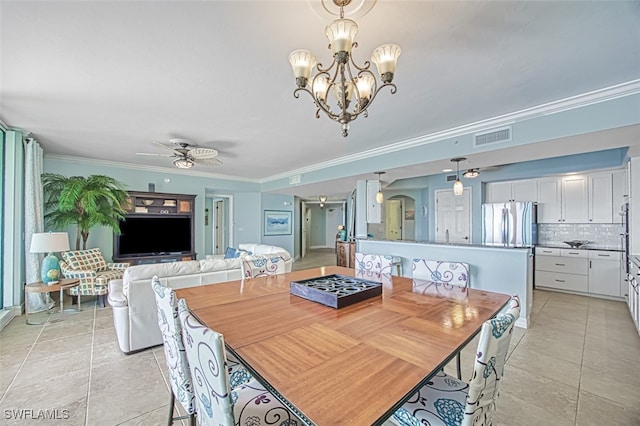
[447, 170]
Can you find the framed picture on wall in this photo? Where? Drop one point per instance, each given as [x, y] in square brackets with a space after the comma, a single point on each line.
[409, 215]
[277, 222]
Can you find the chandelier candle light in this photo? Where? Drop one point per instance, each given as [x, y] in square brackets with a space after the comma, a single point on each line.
[339, 77]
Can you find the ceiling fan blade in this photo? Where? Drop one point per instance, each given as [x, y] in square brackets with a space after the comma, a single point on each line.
[207, 161]
[154, 155]
[203, 153]
[170, 148]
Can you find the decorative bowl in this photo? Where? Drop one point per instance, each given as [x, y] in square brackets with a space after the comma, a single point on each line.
[147, 202]
[576, 243]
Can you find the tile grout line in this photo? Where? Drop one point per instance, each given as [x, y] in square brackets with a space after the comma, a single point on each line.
[93, 338]
[584, 344]
[22, 363]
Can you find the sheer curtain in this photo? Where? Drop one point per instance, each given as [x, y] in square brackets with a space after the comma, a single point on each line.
[33, 221]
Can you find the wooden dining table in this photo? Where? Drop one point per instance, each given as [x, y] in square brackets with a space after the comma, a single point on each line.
[353, 365]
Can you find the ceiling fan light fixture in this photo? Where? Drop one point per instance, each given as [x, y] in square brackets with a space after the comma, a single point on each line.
[183, 163]
[471, 173]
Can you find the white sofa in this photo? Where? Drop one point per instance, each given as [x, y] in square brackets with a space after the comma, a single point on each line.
[133, 302]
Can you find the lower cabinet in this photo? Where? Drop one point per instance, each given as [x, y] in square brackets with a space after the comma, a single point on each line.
[584, 271]
[604, 273]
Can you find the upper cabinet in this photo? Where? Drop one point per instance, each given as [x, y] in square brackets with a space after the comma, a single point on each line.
[517, 190]
[585, 198]
[549, 200]
[575, 199]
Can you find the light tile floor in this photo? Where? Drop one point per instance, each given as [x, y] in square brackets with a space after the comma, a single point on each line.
[578, 364]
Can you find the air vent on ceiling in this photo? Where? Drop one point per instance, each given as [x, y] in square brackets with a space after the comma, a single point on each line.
[494, 136]
[451, 178]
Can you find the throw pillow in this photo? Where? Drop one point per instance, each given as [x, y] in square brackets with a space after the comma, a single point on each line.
[230, 253]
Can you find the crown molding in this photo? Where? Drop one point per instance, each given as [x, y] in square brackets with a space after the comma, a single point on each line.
[597, 96]
[175, 171]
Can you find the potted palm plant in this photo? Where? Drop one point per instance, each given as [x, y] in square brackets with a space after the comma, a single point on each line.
[83, 201]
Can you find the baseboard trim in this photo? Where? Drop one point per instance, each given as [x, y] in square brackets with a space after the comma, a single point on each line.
[7, 314]
[522, 323]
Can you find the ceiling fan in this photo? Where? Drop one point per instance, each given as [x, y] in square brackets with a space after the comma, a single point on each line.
[187, 154]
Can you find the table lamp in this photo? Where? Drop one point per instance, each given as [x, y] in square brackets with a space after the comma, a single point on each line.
[49, 242]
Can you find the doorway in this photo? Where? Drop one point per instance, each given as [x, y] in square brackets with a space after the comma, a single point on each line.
[453, 216]
[218, 223]
[394, 214]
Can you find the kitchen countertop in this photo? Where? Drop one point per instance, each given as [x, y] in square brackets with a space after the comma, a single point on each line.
[581, 248]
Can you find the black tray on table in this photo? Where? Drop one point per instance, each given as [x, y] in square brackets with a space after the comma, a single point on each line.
[335, 290]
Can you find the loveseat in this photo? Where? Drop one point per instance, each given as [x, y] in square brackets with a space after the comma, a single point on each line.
[133, 301]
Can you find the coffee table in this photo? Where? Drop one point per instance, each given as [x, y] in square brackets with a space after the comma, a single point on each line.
[40, 287]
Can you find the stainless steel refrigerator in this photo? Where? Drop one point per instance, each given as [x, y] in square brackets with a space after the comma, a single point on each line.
[510, 224]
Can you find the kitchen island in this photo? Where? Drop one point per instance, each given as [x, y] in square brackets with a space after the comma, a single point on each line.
[505, 270]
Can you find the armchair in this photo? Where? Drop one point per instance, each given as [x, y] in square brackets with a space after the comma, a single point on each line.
[93, 271]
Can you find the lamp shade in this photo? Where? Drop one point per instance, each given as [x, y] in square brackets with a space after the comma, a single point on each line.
[183, 163]
[386, 58]
[49, 242]
[341, 33]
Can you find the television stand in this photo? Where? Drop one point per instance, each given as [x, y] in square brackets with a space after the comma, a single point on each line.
[160, 258]
[151, 215]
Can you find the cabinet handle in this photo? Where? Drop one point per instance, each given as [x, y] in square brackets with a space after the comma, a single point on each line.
[604, 255]
[589, 264]
[559, 281]
[573, 252]
[562, 264]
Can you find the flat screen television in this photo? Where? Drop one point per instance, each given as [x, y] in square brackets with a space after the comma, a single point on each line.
[144, 236]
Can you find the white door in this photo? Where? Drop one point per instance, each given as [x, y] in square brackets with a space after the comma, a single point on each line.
[453, 216]
[393, 218]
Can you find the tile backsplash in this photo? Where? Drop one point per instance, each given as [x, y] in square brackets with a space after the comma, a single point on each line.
[606, 236]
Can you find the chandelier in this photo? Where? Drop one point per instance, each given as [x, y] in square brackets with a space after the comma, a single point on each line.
[346, 84]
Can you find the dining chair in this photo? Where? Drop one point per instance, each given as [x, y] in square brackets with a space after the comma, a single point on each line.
[175, 356]
[262, 265]
[216, 403]
[446, 401]
[443, 272]
[377, 263]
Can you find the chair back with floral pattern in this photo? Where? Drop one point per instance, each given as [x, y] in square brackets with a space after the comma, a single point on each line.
[440, 271]
[206, 356]
[376, 263]
[495, 338]
[178, 368]
[260, 265]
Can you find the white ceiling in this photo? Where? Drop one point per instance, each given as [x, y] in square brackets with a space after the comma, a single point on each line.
[102, 80]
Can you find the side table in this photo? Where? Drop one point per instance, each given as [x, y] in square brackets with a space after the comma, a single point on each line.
[40, 287]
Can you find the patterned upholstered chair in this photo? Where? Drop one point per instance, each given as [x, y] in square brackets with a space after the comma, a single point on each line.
[262, 265]
[454, 273]
[446, 401]
[378, 263]
[93, 271]
[216, 403]
[443, 272]
[176, 358]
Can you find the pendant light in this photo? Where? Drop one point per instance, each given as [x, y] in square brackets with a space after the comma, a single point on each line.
[379, 196]
[458, 189]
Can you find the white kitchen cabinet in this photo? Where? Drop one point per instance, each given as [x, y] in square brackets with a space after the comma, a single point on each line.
[549, 201]
[601, 198]
[510, 191]
[620, 193]
[604, 273]
[575, 199]
[593, 272]
[568, 272]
